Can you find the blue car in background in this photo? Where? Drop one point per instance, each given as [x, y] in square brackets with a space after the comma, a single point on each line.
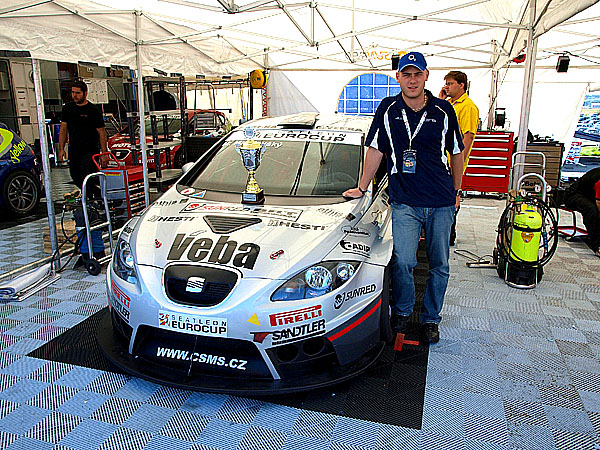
[20, 174]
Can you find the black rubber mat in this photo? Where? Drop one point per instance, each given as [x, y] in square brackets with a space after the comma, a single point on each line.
[392, 391]
[9, 220]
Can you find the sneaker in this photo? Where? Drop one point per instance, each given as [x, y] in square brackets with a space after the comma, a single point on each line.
[399, 323]
[431, 332]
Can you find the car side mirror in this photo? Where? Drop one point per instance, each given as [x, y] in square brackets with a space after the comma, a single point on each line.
[187, 166]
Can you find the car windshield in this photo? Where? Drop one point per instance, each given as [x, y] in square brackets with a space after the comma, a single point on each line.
[173, 123]
[326, 165]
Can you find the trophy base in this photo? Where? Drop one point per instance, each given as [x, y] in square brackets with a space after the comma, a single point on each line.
[253, 198]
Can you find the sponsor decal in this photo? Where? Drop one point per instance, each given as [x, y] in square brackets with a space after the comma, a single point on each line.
[223, 252]
[200, 194]
[280, 213]
[298, 315]
[171, 218]
[340, 299]
[192, 324]
[122, 303]
[254, 320]
[120, 295]
[330, 212]
[166, 202]
[355, 231]
[259, 336]
[526, 236]
[120, 145]
[11, 141]
[188, 191]
[292, 334]
[355, 247]
[323, 135]
[157, 243]
[127, 230]
[203, 358]
[350, 217]
[276, 254]
[299, 226]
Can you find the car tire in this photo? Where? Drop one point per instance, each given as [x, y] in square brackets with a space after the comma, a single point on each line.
[20, 192]
[93, 267]
[385, 328]
[178, 161]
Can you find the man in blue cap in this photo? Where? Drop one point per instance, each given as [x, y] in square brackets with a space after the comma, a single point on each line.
[414, 129]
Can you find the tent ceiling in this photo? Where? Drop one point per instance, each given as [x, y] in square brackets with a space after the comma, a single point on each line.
[234, 36]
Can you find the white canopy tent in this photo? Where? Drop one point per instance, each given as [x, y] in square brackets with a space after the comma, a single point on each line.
[321, 46]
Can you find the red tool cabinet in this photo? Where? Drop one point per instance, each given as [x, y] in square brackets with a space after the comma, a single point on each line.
[490, 162]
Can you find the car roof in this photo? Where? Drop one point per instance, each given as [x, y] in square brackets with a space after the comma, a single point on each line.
[314, 121]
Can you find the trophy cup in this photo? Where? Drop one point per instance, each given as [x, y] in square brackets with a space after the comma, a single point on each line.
[251, 152]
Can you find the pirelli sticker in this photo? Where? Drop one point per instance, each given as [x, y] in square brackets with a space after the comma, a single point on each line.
[333, 136]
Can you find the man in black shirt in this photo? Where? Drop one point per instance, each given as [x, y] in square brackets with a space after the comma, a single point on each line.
[584, 196]
[87, 135]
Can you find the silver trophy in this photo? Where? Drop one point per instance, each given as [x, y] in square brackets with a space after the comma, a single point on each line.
[251, 152]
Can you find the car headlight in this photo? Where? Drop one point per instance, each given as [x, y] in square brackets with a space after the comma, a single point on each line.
[317, 280]
[123, 262]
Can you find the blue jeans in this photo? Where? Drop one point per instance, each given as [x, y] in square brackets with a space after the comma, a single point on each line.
[407, 222]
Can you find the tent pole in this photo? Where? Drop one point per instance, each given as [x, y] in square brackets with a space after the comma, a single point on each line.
[493, 87]
[141, 109]
[39, 103]
[527, 89]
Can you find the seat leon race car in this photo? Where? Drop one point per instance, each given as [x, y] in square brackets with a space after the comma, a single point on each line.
[210, 292]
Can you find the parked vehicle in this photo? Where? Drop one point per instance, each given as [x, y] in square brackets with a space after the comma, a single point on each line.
[209, 293]
[206, 123]
[20, 174]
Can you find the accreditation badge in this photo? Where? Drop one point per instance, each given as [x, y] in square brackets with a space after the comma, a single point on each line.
[409, 161]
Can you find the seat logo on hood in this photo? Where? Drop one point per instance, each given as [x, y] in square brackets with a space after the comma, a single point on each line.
[195, 285]
[222, 252]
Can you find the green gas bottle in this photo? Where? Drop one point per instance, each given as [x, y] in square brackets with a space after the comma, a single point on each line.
[526, 233]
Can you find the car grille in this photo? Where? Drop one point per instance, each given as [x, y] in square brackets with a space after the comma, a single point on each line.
[225, 224]
[198, 285]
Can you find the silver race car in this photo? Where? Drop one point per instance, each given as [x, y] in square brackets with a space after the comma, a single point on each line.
[253, 274]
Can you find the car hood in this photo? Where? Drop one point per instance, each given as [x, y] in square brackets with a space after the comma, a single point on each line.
[260, 241]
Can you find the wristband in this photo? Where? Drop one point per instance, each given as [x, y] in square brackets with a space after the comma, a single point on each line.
[459, 192]
[361, 191]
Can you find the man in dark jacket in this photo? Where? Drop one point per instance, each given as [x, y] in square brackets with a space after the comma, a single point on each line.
[584, 196]
[87, 136]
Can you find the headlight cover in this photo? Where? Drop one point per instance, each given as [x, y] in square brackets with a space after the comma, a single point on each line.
[317, 280]
[123, 263]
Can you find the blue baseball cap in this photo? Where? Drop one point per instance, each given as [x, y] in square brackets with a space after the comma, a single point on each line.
[415, 59]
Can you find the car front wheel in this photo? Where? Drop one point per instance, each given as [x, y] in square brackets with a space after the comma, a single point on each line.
[20, 192]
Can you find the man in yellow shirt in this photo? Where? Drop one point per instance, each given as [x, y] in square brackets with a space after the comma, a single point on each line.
[455, 91]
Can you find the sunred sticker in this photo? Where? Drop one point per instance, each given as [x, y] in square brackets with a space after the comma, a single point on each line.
[188, 191]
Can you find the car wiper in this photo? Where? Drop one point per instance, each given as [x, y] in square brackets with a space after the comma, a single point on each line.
[294, 189]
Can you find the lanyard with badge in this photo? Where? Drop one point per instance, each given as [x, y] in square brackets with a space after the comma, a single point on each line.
[409, 156]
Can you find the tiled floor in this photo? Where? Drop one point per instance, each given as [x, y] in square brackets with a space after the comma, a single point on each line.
[514, 370]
